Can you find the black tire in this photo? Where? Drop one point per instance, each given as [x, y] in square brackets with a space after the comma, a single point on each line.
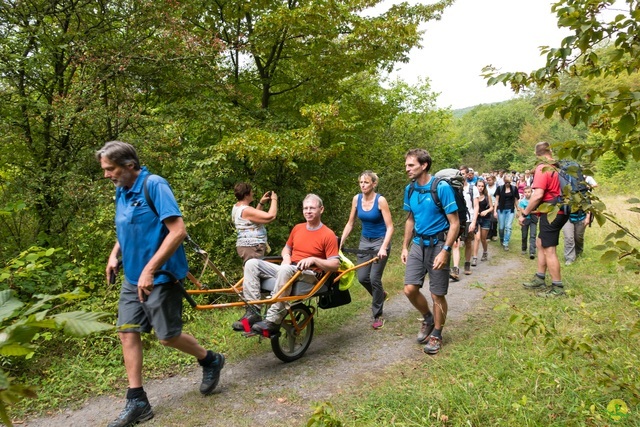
[289, 344]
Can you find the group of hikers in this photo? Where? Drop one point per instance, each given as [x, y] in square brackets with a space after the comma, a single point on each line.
[150, 231]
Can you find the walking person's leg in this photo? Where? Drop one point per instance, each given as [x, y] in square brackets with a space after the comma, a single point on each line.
[533, 226]
[508, 223]
[580, 228]
[414, 279]
[568, 231]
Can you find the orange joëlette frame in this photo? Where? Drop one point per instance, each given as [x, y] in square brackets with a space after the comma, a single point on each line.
[236, 288]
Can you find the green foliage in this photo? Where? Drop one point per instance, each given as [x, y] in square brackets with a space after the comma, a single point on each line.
[20, 327]
[598, 49]
[324, 416]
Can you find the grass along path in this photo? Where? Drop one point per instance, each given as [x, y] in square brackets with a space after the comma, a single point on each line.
[263, 391]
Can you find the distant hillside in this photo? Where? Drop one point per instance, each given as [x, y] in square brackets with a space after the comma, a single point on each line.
[462, 111]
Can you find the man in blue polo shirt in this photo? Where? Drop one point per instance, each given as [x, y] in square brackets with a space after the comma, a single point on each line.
[429, 232]
[150, 232]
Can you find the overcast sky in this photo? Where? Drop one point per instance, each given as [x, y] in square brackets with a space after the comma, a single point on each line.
[473, 33]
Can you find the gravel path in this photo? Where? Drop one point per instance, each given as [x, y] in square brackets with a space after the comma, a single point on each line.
[268, 392]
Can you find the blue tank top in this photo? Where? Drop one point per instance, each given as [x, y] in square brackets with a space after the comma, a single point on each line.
[373, 225]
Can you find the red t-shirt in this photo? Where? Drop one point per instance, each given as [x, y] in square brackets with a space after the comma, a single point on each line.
[321, 243]
[548, 180]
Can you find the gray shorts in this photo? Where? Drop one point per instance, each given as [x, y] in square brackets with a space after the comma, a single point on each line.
[420, 262]
[162, 310]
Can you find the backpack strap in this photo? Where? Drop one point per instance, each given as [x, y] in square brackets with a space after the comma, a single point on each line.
[152, 206]
[434, 193]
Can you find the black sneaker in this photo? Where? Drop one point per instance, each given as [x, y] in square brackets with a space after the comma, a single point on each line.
[425, 331]
[249, 318]
[211, 375]
[134, 412]
[265, 326]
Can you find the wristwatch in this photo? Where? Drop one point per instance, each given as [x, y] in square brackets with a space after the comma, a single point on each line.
[447, 248]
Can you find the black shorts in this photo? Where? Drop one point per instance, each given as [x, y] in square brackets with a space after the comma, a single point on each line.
[550, 232]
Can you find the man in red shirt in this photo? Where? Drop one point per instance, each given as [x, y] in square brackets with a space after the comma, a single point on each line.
[546, 189]
[311, 248]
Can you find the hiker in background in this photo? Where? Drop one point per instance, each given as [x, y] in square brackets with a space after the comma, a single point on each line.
[485, 213]
[373, 212]
[429, 233]
[472, 179]
[505, 207]
[471, 196]
[546, 189]
[250, 222]
[521, 184]
[528, 177]
[574, 230]
[529, 225]
[491, 189]
[150, 231]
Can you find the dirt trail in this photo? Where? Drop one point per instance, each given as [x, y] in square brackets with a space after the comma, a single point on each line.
[267, 392]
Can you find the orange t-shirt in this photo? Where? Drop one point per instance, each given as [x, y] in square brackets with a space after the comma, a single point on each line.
[304, 243]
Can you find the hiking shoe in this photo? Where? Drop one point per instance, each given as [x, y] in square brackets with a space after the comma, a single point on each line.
[524, 252]
[265, 326]
[535, 283]
[425, 331]
[249, 318]
[433, 345]
[135, 411]
[454, 274]
[211, 375]
[474, 261]
[506, 248]
[485, 256]
[532, 255]
[552, 292]
[467, 268]
[378, 322]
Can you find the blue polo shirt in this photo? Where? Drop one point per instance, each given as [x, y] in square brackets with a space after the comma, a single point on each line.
[428, 218]
[140, 232]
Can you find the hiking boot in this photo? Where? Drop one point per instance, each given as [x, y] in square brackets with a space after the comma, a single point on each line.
[425, 331]
[134, 412]
[265, 326]
[467, 268]
[535, 283]
[485, 256]
[532, 255]
[524, 252]
[378, 322]
[249, 318]
[506, 248]
[552, 292]
[211, 375]
[474, 261]
[433, 345]
[454, 274]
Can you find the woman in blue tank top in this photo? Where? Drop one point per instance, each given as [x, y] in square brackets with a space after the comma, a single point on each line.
[373, 212]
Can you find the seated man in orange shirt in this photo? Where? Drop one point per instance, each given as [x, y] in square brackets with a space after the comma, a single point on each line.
[311, 248]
